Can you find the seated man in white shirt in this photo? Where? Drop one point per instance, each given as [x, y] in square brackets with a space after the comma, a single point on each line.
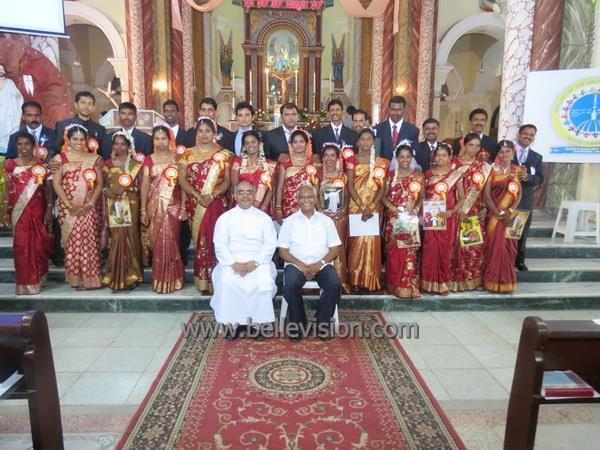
[308, 243]
[244, 278]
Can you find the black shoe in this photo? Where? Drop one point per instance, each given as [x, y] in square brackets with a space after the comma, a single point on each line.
[521, 267]
[259, 336]
[58, 261]
[325, 337]
[233, 335]
[294, 337]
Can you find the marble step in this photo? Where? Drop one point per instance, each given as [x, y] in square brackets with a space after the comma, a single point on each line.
[546, 270]
[57, 297]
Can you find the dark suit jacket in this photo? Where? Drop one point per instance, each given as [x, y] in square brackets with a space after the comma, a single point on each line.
[232, 137]
[347, 137]
[407, 132]
[184, 138]
[47, 139]
[94, 129]
[533, 161]
[423, 155]
[487, 143]
[275, 143]
[142, 141]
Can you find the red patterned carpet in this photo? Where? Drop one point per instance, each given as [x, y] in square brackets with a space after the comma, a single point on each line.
[275, 394]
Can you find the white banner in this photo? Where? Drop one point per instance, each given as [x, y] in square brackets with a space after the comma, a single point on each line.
[565, 107]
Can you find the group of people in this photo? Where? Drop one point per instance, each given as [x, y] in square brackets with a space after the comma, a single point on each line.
[146, 197]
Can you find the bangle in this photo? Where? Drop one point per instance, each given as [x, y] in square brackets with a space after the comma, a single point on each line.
[142, 210]
[278, 208]
[67, 204]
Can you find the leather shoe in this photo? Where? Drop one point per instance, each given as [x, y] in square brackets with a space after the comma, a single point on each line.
[521, 267]
[294, 337]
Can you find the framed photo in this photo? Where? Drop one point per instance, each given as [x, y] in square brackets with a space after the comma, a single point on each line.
[119, 213]
[469, 233]
[431, 215]
[333, 198]
[405, 231]
[514, 230]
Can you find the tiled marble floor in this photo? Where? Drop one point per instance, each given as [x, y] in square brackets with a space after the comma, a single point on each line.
[105, 364]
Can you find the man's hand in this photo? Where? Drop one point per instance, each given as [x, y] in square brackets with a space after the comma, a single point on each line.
[312, 270]
[205, 200]
[250, 266]
[283, 157]
[239, 268]
[53, 165]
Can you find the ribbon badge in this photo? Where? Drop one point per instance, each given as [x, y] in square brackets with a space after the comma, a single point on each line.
[139, 157]
[265, 178]
[513, 188]
[219, 158]
[180, 150]
[90, 176]
[125, 180]
[312, 173]
[478, 179]
[337, 182]
[92, 144]
[414, 187]
[171, 175]
[347, 153]
[39, 172]
[378, 174]
[40, 152]
[441, 188]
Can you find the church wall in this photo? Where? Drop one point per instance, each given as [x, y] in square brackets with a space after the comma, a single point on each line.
[228, 18]
[451, 12]
[114, 10]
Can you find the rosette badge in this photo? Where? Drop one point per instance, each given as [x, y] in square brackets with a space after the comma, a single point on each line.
[513, 188]
[219, 158]
[347, 153]
[414, 187]
[180, 150]
[337, 182]
[90, 176]
[92, 144]
[39, 172]
[265, 178]
[41, 153]
[139, 157]
[311, 170]
[478, 178]
[441, 188]
[378, 174]
[125, 180]
[171, 175]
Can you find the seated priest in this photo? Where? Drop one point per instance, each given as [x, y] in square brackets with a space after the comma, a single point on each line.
[309, 243]
[244, 279]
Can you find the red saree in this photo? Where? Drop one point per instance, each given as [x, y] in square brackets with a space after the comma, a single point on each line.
[80, 235]
[402, 267]
[500, 275]
[162, 207]
[31, 242]
[437, 254]
[205, 171]
[262, 178]
[295, 176]
[468, 269]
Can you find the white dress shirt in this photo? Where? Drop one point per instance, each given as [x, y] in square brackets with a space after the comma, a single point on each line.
[308, 239]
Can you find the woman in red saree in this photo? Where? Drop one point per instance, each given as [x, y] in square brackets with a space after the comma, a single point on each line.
[122, 204]
[366, 186]
[334, 199]
[293, 173]
[78, 185]
[30, 210]
[162, 210]
[470, 259]
[252, 166]
[502, 193]
[437, 254]
[403, 196]
[204, 176]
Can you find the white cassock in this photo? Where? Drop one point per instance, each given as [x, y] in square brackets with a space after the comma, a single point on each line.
[243, 235]
[10, 112]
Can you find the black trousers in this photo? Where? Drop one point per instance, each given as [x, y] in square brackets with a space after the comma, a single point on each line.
[521, 246]
[328, 281]
[57, 250]
[185, 237]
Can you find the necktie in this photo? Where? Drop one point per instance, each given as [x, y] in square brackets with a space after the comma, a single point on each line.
[394, 135]
[337, 134]
[432, 147]
[522, 156]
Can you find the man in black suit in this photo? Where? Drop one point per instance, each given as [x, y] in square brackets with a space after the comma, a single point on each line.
[478, 120]
[531, 175]
[32, 118]
[360, 120]
[424, 152]
[395, 129]
[277, 140]
[335, 131]
[244, 113]
[127, 118]
[84, 105]
[208, 108]
[171, 115]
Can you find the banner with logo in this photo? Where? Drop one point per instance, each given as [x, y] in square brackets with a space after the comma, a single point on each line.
[565, 107]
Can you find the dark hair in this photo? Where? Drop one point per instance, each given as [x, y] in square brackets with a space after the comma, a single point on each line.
[22, 134]
[443, 146]
[128, 105]
[161, 128]
[334, 147]
[115, 136]
[397, 99]
[505, 143]
[244, 105]
[360, 111]
[209, 101]
[299, 132]
[367, 131]
[478, 111]
[250, 133]
[30, 104]
[171, 102]
[431, 120]
[84, 94]
[74, 129]
[335, 101]
[288, 105]
[402, 147]
[527, 125]
[208, 122]
[350, 109]
[470, 137]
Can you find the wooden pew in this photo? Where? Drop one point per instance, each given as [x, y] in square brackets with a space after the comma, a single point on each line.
[544, 346]
[25, 346]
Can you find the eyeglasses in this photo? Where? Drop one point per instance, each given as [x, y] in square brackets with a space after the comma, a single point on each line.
[248, 192]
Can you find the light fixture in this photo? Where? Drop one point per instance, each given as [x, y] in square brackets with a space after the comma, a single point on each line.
[160, 86]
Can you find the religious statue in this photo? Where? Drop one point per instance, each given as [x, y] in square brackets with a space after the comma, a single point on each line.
[10, 108]
[337, 62]
[225, 59]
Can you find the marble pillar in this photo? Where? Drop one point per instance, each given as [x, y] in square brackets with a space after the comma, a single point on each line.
[148, 50]
[176, 64]
[358, 61]
[426, 60]
[188, 66]
[402, 40]
[135, 50]
[377, 67]
[366, 64]
[162, 54]
[207, 41]
[387, 58]
[515, 65]
[414, 61]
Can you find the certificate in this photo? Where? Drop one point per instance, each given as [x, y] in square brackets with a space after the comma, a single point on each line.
[360, 228]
